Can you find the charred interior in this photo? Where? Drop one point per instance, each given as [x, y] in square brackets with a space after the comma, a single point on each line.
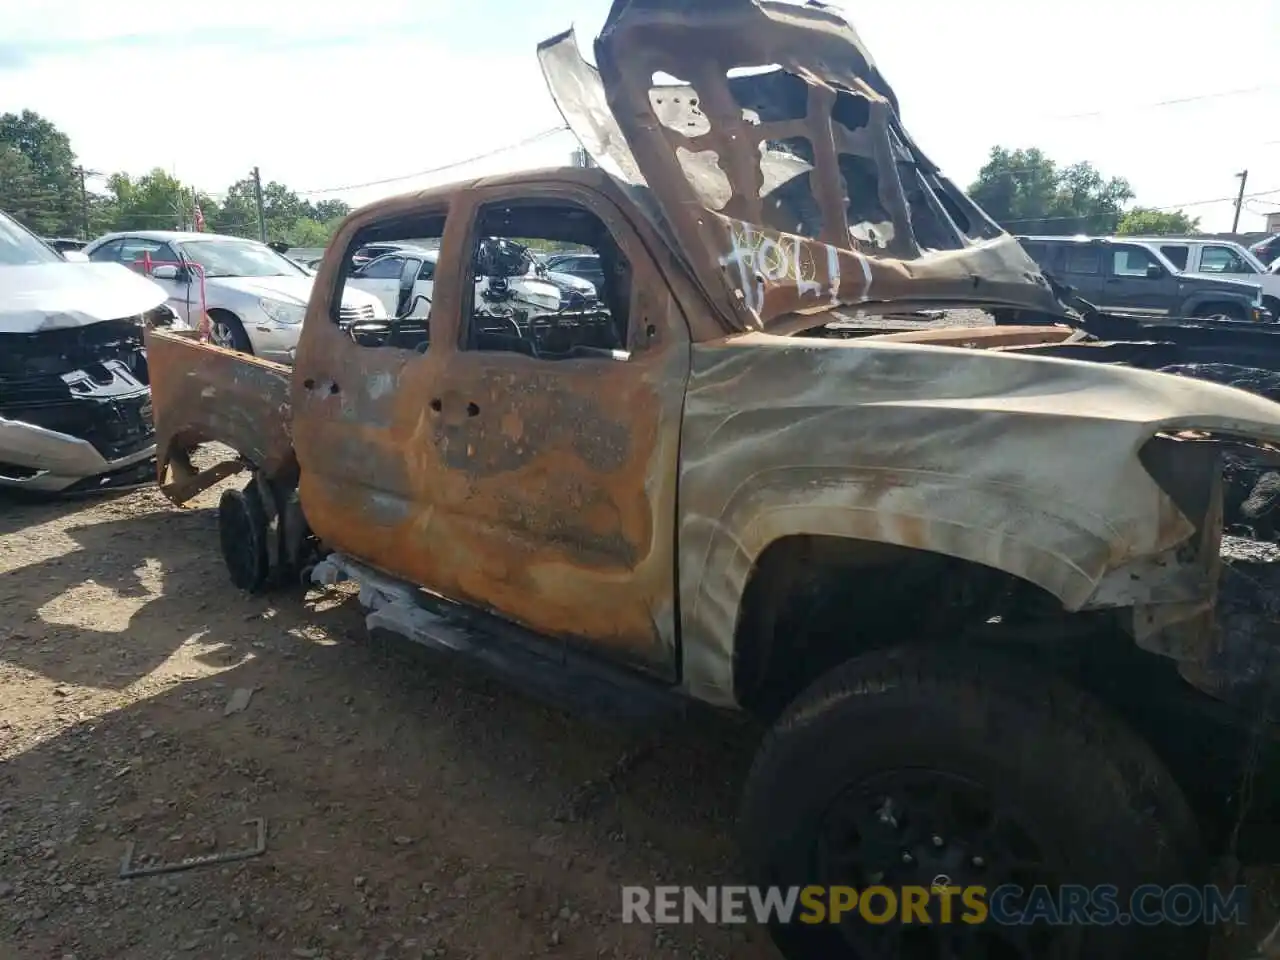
[578, 325]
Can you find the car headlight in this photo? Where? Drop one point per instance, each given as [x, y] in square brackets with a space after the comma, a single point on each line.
[283, 312]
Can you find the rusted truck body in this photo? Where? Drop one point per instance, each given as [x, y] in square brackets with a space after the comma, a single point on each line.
[907, 553]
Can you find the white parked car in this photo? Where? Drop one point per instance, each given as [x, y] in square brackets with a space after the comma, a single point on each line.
[255, 297]
[1220, 259]
[403, 282]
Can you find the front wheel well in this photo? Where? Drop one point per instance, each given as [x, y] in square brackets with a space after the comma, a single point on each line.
[238, 334]
[1226, 307]
[1272, 304]
[812, 602]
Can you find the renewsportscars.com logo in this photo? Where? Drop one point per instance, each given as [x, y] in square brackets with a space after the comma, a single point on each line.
[941, 903]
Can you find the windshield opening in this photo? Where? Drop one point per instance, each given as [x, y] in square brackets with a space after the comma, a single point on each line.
[239, 258]
[20, 248]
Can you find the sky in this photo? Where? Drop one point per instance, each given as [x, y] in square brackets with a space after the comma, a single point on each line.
[323, 94]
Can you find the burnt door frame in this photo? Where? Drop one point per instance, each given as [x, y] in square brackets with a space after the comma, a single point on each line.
[558, 478]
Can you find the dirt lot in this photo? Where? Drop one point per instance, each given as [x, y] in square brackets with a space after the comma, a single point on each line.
[413, 810]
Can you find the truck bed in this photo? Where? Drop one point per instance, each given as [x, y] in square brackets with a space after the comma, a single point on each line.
[202, 393]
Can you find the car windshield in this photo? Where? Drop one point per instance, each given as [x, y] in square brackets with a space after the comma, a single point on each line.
[19, 248]
[239, 258]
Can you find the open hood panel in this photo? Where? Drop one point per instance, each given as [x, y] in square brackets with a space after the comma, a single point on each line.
[770, 149]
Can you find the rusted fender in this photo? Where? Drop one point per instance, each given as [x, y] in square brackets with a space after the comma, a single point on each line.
[203, 393]
[1025, 465]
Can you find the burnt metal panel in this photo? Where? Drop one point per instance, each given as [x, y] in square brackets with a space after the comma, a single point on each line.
[773, 151]
[541, 489]
[204, 393]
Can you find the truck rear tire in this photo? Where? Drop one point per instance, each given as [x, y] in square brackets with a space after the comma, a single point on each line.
[908, 765]
[242, 535]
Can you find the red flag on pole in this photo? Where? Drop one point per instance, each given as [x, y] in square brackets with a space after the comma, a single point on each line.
[199, 218]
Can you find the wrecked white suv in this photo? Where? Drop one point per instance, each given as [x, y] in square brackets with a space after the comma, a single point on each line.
[75, 404]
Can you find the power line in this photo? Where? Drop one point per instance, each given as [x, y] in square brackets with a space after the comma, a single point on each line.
[1170, 206]
[1176, 101]
[528, 141]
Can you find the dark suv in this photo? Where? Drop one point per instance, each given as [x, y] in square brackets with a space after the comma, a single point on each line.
[1119, 275]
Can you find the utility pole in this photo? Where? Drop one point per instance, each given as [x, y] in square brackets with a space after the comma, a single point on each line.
[257, 197]
[84, 199]
[1244, 177]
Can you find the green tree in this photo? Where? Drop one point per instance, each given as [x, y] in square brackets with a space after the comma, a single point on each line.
[306, 232]
[52, 193]
[1146, 221]
[328, 210]
[154, 201]
[288, 217]
[1026, 192]
[20, 196]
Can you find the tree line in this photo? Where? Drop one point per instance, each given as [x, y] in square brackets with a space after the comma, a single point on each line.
[1026, 192]
[43, 186]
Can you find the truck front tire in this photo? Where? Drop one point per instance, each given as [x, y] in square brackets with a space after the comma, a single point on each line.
[907, 766]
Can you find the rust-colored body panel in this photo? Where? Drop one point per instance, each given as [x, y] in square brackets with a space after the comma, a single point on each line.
[1025, 465]
[201, 393]
[545, 491]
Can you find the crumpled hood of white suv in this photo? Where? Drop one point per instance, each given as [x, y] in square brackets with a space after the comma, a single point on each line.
[52, 296]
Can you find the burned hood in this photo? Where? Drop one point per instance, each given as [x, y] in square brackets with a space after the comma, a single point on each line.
[764, 141]
[54, 296]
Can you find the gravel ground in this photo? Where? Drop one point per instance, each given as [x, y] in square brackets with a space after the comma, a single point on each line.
[414, 809]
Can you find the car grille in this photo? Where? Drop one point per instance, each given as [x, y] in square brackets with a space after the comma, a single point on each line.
[107, 404]
[116, 428]
[354, 314]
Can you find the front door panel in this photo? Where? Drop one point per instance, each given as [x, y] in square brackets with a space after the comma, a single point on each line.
[558, 487]
[541, 490]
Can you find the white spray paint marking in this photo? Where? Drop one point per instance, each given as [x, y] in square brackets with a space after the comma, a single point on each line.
[762, 261]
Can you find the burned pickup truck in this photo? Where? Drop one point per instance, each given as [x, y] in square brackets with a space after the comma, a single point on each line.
[975, 592]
